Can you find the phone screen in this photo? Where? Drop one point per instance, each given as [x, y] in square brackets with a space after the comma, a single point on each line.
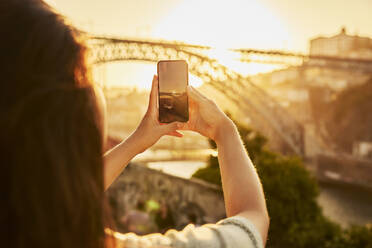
[173, 101]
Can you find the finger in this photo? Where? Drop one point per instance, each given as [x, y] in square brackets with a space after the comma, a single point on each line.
[193, 97]
[185, 126]
[199, 94]
[175, 134]
[171, 127]
[153, 94]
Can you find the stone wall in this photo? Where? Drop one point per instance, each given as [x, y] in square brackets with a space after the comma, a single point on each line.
[190, 200]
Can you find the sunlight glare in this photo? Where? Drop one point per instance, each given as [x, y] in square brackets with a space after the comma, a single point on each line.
[222, 24]
[226, 24]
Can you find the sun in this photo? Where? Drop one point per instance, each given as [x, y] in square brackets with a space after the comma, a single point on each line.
[225, 24]
[221, 24]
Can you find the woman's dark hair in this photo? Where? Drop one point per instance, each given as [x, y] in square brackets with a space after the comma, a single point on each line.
[51, 144]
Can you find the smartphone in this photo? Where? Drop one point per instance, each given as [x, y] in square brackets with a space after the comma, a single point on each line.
[173, 80]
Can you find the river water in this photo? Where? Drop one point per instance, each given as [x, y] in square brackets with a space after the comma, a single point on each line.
[343, 204]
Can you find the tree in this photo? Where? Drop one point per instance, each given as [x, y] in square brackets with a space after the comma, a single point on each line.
[291, 191]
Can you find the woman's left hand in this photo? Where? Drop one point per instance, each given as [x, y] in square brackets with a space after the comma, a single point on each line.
[147, 133]
[150, 130]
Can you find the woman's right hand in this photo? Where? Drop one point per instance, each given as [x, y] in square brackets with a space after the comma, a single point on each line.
[205, 117]
[241, 185]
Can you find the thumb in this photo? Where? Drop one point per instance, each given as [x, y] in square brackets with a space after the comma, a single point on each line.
[153, 95]
[171, 127]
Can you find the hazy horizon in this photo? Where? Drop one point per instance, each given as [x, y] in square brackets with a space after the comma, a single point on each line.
[260, 24]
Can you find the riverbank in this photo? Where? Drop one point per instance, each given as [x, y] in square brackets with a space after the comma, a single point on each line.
[344, 204]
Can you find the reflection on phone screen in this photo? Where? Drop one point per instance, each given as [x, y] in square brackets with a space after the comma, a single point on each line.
[173, 102]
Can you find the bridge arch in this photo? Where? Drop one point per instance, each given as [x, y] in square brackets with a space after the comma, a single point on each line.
[240, 90]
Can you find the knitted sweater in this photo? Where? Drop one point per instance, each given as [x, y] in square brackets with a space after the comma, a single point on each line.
[233, 232]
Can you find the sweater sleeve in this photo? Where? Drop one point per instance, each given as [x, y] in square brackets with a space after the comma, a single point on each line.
[233, 232]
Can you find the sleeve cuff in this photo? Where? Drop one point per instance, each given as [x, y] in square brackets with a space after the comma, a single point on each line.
[247, 226]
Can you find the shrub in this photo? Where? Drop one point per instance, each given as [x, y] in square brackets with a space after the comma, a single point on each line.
[291, 192]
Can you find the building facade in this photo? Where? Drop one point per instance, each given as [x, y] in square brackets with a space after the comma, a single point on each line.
[342, 45]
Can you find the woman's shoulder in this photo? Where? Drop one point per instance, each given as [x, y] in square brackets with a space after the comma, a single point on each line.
[237, 232]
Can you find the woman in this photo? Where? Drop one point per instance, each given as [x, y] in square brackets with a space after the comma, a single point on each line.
[53, 130]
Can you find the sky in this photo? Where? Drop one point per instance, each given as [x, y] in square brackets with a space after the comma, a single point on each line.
[261, 24]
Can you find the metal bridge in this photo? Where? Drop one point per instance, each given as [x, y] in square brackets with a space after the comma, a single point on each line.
[239, 89]
[305, 61]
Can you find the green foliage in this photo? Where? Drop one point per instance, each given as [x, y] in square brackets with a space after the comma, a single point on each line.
[291, 200]
[291, 192]
[348, 118]
[210, 174]
[357, 236]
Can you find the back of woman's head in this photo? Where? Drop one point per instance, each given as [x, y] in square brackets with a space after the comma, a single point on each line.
[51, 143]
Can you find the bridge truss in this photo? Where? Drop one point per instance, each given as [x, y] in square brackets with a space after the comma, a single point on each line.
[239, 89]
[305, 61]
